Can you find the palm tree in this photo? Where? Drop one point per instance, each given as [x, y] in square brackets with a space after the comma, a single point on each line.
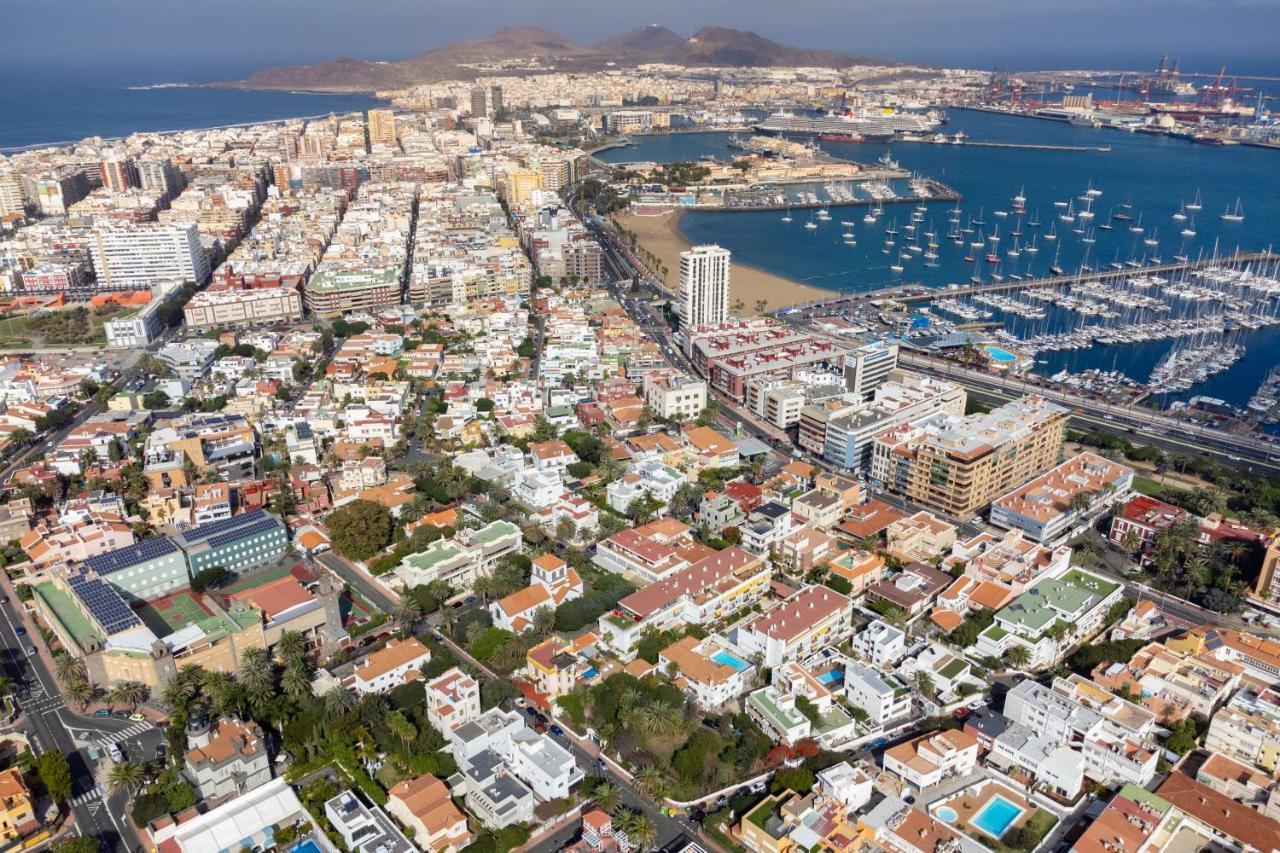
[256, 672]
[474, 632]
[923, 682]
[291, 645]
[607, 795]
[408, 612]
[448, 618]
[1079, 502]
[401, 726]
[544, 621]
[81, 692]
[129, 693]
[296, 680]
[640, 829]
[1018, 656]
[69, 668]
[126, 776]
[338, 700]
[652, 781]
[1130, 540]
[177, 693]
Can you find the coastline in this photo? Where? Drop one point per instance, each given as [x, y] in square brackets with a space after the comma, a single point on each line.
[661, 236]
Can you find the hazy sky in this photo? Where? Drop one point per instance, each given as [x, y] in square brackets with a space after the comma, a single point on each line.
[237, 36]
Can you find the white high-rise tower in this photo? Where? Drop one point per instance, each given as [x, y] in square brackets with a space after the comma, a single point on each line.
[704, 286]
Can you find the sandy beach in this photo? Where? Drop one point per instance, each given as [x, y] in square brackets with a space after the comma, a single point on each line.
[750, 289]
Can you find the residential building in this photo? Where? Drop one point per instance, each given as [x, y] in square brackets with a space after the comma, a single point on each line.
[458, 561]
[880, 643]
[17, 806]
[424, 805]
[960, 464]
[364, 828]
[673, 395]
[147, 254]
[399, 661]
[798, 626]
[1248, 728]
[250, 818]
[919, 538]
[704, 286]
[883, 696]
[226, 758]
[848, 439]
[707, 670]
[869, 366]
[243, 306]
[1065, 499]
[547, 768]
[453, 698]
[927, 761]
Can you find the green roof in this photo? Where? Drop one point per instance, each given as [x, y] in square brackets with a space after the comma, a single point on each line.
[437, 552]
[69, 615]
[1091, 582]
[770, 709]
[1144, 797]
[332, 279]
[952, 669]
[494, 531]
[1041, 605]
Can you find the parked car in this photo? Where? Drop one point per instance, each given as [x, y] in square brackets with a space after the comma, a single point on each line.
[31, 651]
[137, 718]
[102, 712]
[557, 731]
[20, 631]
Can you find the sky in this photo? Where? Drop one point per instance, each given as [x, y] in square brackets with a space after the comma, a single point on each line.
[194, 39]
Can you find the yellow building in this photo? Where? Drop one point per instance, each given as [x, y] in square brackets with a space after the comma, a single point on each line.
[960, 464]
[17, 810]
[518, 187]
[382, 128]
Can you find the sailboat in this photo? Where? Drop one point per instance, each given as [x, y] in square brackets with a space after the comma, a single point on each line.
[1137, 228]
[1107, 226]
[1053, 231]
[1033, 248]
[824, 214]
[1181, 215]
[1151, 239]
[1195, 204]
[1190, 230]
[1034, 221]
[1055, 267]
[811, 225]
[1070, 215]
[1234, 215]
[787, 216]
[979, 220]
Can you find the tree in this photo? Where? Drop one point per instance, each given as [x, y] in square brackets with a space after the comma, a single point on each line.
[607, 796]
[69, 668]
[129, 693]
[797, 779]
[544, 621]
[1018, 656]
[156, 399]
[338, 700]
[291, 644]
[652, 781]
[77, 844]
[923, 683]
[211, 578]
[360, 529]
[295, 681]
[81, 692]
[125, 776]
[640, 828]
[56, 775]
[401, 727]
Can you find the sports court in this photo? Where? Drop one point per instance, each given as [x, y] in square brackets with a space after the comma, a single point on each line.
[176, 610]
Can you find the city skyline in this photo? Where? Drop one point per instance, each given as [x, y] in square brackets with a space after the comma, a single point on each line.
[1082, 33]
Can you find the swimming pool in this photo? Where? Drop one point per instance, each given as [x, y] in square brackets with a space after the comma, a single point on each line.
[996, 816]
[306, 846]
[946, 814]
[831, 675]
[999, 354]
[728, 658]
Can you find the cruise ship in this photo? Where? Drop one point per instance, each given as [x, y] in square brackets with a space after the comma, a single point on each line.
[851, 126]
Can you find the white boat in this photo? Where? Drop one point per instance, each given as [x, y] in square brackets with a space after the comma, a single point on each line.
[811, 225]
[1181, 215]
[787, 216]
[1235, 214]
[1196, 203]
[1190, 230]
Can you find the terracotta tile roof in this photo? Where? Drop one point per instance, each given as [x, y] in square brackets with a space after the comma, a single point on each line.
[1219, 811]
[427, 799]
[275, 597]
[794, 617]
[396, 654]
[947, 620]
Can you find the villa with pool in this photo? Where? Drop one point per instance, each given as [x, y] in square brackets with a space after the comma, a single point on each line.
[988, 811]
[708, 670]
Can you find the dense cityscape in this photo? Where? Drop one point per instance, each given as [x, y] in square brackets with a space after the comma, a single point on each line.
[410, 480]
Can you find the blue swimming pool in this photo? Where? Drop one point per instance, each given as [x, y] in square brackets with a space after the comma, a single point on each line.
[946, 814]
[728, 658]
[306, 846]
[590, 674]
[996, 816]
[999, 354]
[830, 676]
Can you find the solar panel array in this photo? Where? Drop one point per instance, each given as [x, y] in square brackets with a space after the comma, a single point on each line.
[261, 525]
[103, 603]
[131, 555]
[202, 532]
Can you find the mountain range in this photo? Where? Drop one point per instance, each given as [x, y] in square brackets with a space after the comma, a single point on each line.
[709, 46]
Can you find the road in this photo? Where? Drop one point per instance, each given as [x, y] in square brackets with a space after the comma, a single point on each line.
[585, 753]
[372, 592]
[50, 724]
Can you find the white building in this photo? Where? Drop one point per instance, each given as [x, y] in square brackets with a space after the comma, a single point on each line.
[141, 254]
[673, 395]
[881, 695]
[546, 767]
[812, 618]
[704, 286]
[452, 700]
[880, 643]
[389, 667]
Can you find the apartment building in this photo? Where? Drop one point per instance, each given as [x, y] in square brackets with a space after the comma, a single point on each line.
[453, 698]
[226, 758]
[237, 307]
[882, 695]
[960, 464]
[1065, 499]
[459, 560]
[797, 626]
[425, 806]
[707, 670]
[144, 254]
[869, 366]
[900, 397]
[1248, 728]
[675, 396]
[928, 760]
[704, 286]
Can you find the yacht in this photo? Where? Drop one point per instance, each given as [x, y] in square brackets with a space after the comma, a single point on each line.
[1195, 204]
[1235, 214]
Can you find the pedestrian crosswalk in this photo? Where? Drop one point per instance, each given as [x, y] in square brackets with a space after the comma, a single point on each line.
[89, 798]
[132, 731]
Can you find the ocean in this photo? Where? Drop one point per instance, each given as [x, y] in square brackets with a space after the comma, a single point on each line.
[61, 105]
[1153, 174]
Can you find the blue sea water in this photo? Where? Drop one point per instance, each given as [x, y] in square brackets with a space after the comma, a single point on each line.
[1153, 173]
[59, 105]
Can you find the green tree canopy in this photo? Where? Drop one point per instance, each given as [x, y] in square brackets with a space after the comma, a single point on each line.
[359, 529]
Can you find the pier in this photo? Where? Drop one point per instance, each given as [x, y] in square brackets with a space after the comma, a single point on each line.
[908, 294]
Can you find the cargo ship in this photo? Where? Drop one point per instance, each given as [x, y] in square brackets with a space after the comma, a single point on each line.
[850, 126]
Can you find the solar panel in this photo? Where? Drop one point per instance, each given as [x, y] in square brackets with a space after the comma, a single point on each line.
[131, 555]
[201, 532]
[260, 526]
[104, 604]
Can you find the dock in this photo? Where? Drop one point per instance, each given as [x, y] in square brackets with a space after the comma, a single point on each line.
[918, 294]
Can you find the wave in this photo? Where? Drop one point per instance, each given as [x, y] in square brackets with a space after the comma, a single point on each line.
[150, 86]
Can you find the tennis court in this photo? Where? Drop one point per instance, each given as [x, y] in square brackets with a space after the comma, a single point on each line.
[166, 615]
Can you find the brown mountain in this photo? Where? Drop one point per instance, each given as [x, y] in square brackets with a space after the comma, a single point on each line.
[708, 46]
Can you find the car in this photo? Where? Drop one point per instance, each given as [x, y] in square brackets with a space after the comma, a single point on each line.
[114, 751]
[557, 731]
[4, 599]
[120, 715]
[161, 751]
[31, 651]
[102, 712]
[469, 600]
[137, 718]
[532, 712]
[19, 630]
